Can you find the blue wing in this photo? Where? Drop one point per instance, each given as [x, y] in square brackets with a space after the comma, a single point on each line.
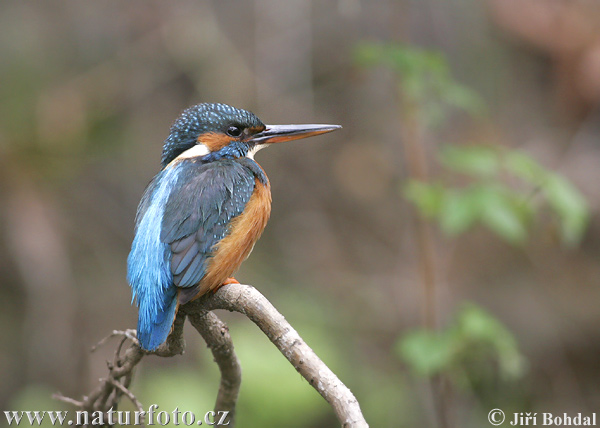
[184, 212]
[197, 216]
[148, 270]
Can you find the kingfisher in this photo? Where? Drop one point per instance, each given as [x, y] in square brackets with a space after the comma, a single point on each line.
[201, 215]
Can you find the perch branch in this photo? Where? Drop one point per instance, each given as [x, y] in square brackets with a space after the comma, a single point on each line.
[246, 300]
[250, 302]
[217, 337]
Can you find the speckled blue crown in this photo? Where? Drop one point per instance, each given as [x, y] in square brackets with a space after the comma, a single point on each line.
[202, 118]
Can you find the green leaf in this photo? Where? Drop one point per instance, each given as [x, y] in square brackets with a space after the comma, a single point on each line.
[525, 168]
[471, 160]
[476, 325]
[426, 352]
[562, 196]
[424, 79]
[434, 63]
[403, 59]
[427, 197]
[463, 98]
[460, 210]
[368, 54]
[570, 206]
[502, 216]
[473, 337]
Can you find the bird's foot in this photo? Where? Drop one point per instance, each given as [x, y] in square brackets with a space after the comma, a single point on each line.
[228, 281]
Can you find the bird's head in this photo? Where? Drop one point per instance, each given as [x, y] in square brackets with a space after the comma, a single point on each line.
[217, 131]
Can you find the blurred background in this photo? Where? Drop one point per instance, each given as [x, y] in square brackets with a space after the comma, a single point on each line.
[440, 252]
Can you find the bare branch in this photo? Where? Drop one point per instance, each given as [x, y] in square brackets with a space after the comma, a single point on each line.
[250, 302]
[217, 337]
[108, 393]
[58, 396]
[132, 397]
[126, 334]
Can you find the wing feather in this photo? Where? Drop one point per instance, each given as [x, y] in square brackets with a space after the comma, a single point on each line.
[197, 214]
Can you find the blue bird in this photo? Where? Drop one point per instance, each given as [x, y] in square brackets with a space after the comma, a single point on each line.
[201, 215]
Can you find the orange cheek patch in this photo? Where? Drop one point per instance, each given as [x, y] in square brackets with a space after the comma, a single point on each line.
[214, 141]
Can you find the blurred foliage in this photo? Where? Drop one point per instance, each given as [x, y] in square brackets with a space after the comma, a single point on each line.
[427, 87]
[273, 393]
[424, 80]
[35, 397]
[184, 388]
[474, 339]
[504, 190]
[488, 199]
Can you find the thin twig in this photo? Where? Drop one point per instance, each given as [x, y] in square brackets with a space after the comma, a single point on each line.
[127, 334]
[414, 150]
[131, 397]
[58, 396]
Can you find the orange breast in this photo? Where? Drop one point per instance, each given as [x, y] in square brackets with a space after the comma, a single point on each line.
[245, 230]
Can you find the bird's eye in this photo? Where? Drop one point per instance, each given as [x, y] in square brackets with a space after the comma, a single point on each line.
[234, 131]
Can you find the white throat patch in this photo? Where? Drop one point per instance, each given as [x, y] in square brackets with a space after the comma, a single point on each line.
[255, 149]
[197, 151]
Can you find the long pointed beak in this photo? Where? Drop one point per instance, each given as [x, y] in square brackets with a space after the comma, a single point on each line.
[281, 133]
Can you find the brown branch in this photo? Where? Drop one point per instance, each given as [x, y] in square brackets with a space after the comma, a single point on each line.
[217, 337]
[108, 393]
[129, 394]
[248, 301]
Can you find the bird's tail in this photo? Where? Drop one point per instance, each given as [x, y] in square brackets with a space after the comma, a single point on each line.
[154, 330]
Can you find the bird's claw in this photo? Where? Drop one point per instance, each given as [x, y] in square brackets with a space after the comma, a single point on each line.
[230, 280]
